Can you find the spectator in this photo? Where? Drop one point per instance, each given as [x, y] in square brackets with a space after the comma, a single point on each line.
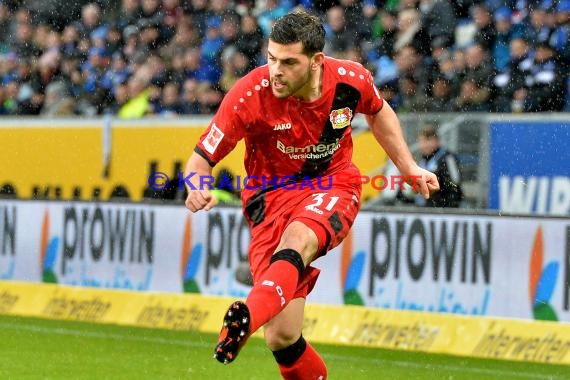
[55, 13]
[438, 21]
[512, 80]
[197, 38]
[23, 45]
[154, 91]
[5, 15]
[71, 74]
[93, 72]
[90, 20]
[129, 14]
[114, 41]
[339, 35]
[267, 14]
[131, 42]
[472, 97]
[413, 98]
[235, 66]
[208, 98]
[391, 94]
[541, 25]
[441, 99]
[546, 81]
[149, 39]
[70, 40]
[560, 38]
[173, 13]
[151, 13]
[384, 44]
[452, 67]
[211, 48]
[486, 33]
[138, 103]
[250, 39]
[47, 70]
[501, 48]
[3, 99]
[170, 101]
[11, 101]
[410, 65]
[200, 15]
[190, 103]
[410, 32]
[186, 36]
[223, 9]
[57, 102]
[357, 19]
[444, 165]
[117, 73]
[478, 76]
[120, 96]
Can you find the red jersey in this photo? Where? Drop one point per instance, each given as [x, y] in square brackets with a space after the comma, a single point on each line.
[287, 137]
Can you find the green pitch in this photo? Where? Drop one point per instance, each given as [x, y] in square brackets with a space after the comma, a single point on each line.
[44, 349]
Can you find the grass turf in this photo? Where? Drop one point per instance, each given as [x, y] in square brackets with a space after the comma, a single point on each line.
[47, 349]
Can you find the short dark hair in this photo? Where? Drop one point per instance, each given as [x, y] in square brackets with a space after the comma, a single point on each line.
[300, 26]
[429, 131]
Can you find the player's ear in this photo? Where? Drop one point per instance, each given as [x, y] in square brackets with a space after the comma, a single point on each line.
[317, 60]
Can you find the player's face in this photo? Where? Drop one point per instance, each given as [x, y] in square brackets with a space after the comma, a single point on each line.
[289, 69]
[428, 145]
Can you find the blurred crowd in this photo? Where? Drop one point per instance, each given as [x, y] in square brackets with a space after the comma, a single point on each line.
[133, 58]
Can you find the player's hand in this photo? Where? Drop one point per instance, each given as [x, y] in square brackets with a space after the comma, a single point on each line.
[200, 199]
[423, 182]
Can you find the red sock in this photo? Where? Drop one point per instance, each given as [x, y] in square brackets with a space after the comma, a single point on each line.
[310, 366]
[270, 295]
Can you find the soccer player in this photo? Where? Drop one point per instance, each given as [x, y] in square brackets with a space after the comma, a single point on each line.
[294, 114]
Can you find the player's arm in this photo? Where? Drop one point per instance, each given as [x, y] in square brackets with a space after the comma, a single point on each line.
[386, 129]
[199, 196]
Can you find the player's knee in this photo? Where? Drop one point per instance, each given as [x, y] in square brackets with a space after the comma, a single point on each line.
[302, 239]
[291, 256]
[280, 340]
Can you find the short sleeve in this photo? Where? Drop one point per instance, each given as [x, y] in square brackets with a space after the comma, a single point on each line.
[371, 100]
[225, 130]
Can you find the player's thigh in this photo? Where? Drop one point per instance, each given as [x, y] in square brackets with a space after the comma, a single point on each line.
[330, 214]
[286, 327]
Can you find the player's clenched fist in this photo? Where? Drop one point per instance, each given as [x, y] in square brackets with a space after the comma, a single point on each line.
[199, 199]
[423, 182]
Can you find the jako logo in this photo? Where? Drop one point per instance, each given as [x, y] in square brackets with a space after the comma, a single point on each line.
[282, 127]
[191, 257]
[542, 281]
[48, 252]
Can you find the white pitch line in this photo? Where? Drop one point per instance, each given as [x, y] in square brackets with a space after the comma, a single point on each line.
[190, 343]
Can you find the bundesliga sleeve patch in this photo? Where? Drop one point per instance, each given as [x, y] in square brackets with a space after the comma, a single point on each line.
[213, 139]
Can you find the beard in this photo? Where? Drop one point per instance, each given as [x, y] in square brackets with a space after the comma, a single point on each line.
[283, 89]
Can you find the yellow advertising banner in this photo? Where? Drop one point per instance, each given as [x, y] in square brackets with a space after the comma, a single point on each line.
[70, 160]
[545, 342]
[99, 159]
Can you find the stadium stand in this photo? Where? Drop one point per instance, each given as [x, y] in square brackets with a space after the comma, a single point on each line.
[134, 58]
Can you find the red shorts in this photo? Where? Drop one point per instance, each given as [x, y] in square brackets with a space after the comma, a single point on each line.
[329, 212]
